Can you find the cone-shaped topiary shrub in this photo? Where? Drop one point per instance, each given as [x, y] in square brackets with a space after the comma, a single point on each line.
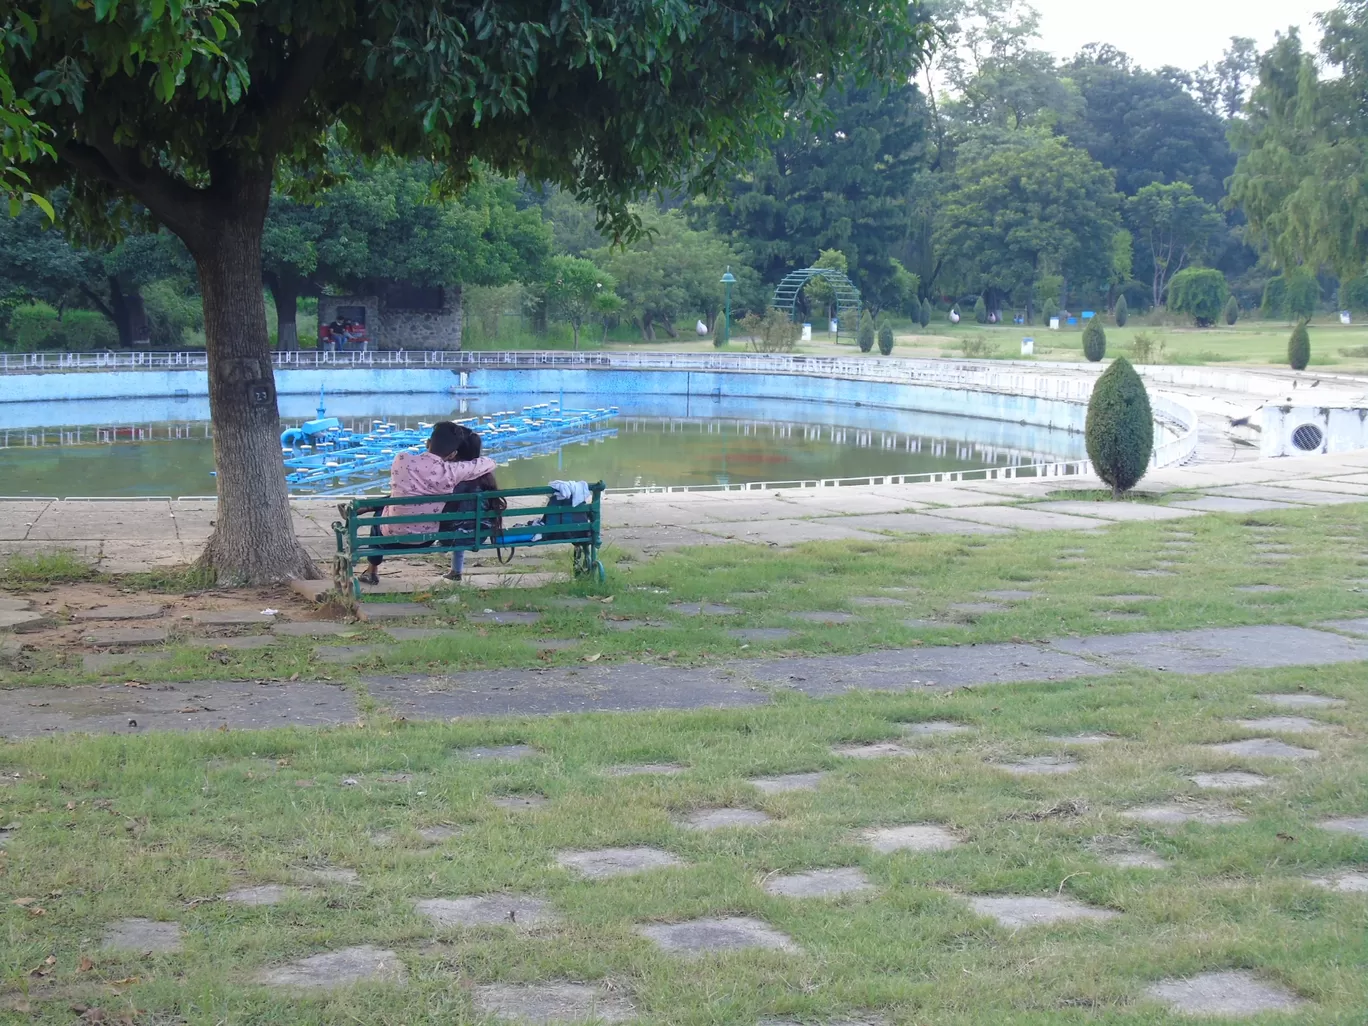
[980, 311]
[1299, 347]
[1094, 340]
[1122, 312]
[925, 317]
[866, 334]
[885, 337]
[1120, 427]
[1232, 310]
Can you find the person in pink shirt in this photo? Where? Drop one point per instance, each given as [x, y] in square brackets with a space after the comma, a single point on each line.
[435, 472]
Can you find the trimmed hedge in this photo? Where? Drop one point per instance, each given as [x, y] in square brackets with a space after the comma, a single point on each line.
[865, 336]
[885, 337]
[924, 316]
[1122, 312]
[1094, 340]
[1120, 427]
[1299, 347]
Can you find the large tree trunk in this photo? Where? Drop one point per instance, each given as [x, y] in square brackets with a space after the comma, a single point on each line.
[253, 540]
[285, 289]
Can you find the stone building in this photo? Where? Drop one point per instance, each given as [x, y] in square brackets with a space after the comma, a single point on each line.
[402, 316]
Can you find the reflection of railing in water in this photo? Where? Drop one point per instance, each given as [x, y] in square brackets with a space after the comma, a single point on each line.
[860, 438]
[110, 434]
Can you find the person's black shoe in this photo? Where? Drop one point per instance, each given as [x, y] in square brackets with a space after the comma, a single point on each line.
[368, 577]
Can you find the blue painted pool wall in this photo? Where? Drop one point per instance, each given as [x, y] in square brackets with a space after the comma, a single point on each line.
[605, 384]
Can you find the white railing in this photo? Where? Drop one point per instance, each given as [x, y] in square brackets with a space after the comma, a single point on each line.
[1058, 382]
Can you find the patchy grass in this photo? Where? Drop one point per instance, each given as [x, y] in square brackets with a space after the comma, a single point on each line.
[20, 572]
[160, 826]
[1072, 575]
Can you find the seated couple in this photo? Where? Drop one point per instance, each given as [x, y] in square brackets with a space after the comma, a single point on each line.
[451, 465]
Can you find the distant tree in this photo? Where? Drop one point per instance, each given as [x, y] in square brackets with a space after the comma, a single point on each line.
[1299, 347]
[1353, 294]
[1120, 427]
[576, 289]
[1094, 340]
[1173, 225]
[924, 313]
[672, 273]
[818, 289]
[1122, 312]
[1201, 292]
[865, 338]
[980, 311]
[885, 337]
[1017, 214]
[1301, 295]
[1232, 310]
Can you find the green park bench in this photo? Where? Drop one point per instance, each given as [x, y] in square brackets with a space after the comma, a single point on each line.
[526, 526]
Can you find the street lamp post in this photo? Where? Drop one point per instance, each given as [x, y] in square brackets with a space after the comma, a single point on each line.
[728, 279]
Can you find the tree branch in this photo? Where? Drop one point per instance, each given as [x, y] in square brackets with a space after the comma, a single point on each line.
[170, 200]
[280, 100]
[95, 298]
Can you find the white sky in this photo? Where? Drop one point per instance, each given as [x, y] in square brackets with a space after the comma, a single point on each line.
[1184, 33]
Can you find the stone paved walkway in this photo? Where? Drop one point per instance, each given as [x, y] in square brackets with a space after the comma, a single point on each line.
[204, 705]
[124, 536]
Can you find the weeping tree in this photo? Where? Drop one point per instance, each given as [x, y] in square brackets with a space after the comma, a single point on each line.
[190, 110]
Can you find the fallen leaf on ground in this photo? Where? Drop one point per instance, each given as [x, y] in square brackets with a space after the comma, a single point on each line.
[85, 966]
[593, 658]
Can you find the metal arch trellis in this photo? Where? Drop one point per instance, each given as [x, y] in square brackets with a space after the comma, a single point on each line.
[847, 295]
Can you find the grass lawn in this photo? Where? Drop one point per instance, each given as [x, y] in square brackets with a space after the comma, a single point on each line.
[160, 827]
[1072, 577]
[1248, 343]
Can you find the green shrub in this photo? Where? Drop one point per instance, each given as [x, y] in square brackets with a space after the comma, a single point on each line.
[1232, 310]
[171, 313]
[36, 326]
[770, 332]
[885, 337]
[1122, 312]
[1299, 347]
[1200, 292]
[719, 331]
[924, 316]
[865, 336]
[980, 311]
[1353, 295]
[1120, 427]
[1147, 348]
[1094, 340]
[1355, 351]
[978, 348]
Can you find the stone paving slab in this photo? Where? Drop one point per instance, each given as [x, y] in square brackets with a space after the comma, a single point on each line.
[517, 910]
[123, 611]
[702, 936]
[230, 617]
[1264, 748]
[914, 837]
[787, 782]
[311, 629]
[610, 862]
[819, 883]
[504, 617]
[18, 617]
[551, 1004]
[1118, 511]
[1021, 518]
[201, 705]
[784, 533]
[1301, 701]
[263, 894]
[1232, 504]
[1224, 994]
[622, 688]
[1345, 883]
[142, 935]
[916, 523]
[723, 819]
[108, 637]
[1017, 911]
[1285, 493]
[1231, 781]
[334, 969]
[1219, 650]
[754, 634]
[1359, 626]
[393, 610]
[938, 667]
[1358, 826]
[1312, 484]
[1177, 815]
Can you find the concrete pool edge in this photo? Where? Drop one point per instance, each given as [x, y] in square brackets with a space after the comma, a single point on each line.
[1020, 394]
